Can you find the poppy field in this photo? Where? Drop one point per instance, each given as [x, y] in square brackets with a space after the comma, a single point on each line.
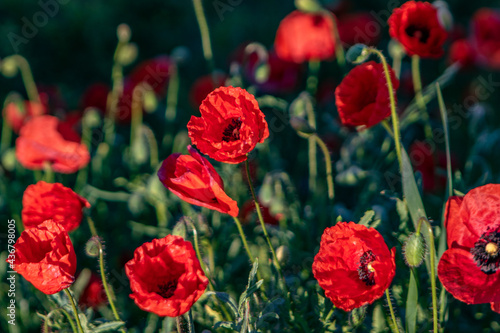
[250, 166]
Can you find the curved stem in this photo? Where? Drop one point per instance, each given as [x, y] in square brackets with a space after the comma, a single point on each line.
[172, 95]
[72, 324]
[243, 239]
[153, 146]
[75, 311]
[339, 49]
[27, 77]
[261, 219]
[328, 164]
[393, 317]
[392, 99]
[205, 34]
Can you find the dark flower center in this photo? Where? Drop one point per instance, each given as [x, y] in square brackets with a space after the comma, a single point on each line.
[167, 290]
[232, 131]
[365, 270]
[486, 252]
[420, 33]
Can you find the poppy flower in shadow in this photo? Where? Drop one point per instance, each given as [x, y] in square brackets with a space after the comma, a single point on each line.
[178, 280]
[16, 115]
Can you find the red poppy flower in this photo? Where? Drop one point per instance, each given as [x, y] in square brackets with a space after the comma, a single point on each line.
[230, 126]
[461, 51]
[485, 39]
[95, 96]
[470, 268]
[204, 86]
[354, 265]
[44, 201]
[94, 294]
[358, 28]
[41, 142]
[16, 115]
[305, 36]
[194, 179]
[45, 257]
[155, 72]
[416, 26]
[178, 280]
[362, 97]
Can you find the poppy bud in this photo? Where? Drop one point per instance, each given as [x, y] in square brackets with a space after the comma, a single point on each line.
[127, 54]
[92, 247]
[9, 67]
[357, 53]
[283, 254]
[308, 6]
[123, 33]
[414, 250]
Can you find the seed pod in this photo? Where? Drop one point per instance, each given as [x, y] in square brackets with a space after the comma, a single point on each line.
[414, 250]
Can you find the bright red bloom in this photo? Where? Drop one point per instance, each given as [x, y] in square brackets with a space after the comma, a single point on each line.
[45, 257]
[41, 142]
[230, 126]
[166, 277]
[354, 265]
[45, 201]
[17, 115]
[416, 26]
[194, 179]
[358, 28]
[485, 39]
[461, 51]
[94, 294]
[305, 36]
[470, 268]
[362, 98]
[204, 86]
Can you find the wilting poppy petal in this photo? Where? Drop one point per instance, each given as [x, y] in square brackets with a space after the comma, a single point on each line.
[178, 280]
[194, 179]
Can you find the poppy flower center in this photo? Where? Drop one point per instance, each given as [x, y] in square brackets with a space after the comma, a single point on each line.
[366, 272]
[167, 290]
[486, 252]
[420, 33]
[232, 131]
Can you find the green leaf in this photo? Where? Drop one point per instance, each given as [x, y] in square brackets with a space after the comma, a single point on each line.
[224, 324]
[224, 297]
[367, 218]
[109, 326]
[253, 272]
[411, 304]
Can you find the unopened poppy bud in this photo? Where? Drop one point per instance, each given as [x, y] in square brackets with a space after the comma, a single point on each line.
[127, 54]
[123, 33]
[396, 50]
[357, 53]
[301, 125]
[150, 102]
[91, 118]
[414, 250]
[308, 6]
[9, 67]
[283, 254]
[262, 73]
[92, 247]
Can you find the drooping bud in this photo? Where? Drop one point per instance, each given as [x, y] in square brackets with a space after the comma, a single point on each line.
[414, 250]
[357, 53]
[283, 254]
[308, 6]
[92, 247]
[123, 33]
[9, 67]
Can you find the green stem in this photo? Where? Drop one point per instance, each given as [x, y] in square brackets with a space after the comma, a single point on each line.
[435, 319]
[313, 164]
[6, 136]
[75, 311]
[243, 239]
[339, 49]
[48, 176]
[107, 289]
[328, 164]
[312, 79]
[81, 178]
[396, 66]
[172, 95]
[444, 118]
[27, 77]
[68, 316]
[417, 86]
[392, 99]
[136, 110]
[330, 314]
[261, 219]
[153, 146]
[393, 317]
[205, 34]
